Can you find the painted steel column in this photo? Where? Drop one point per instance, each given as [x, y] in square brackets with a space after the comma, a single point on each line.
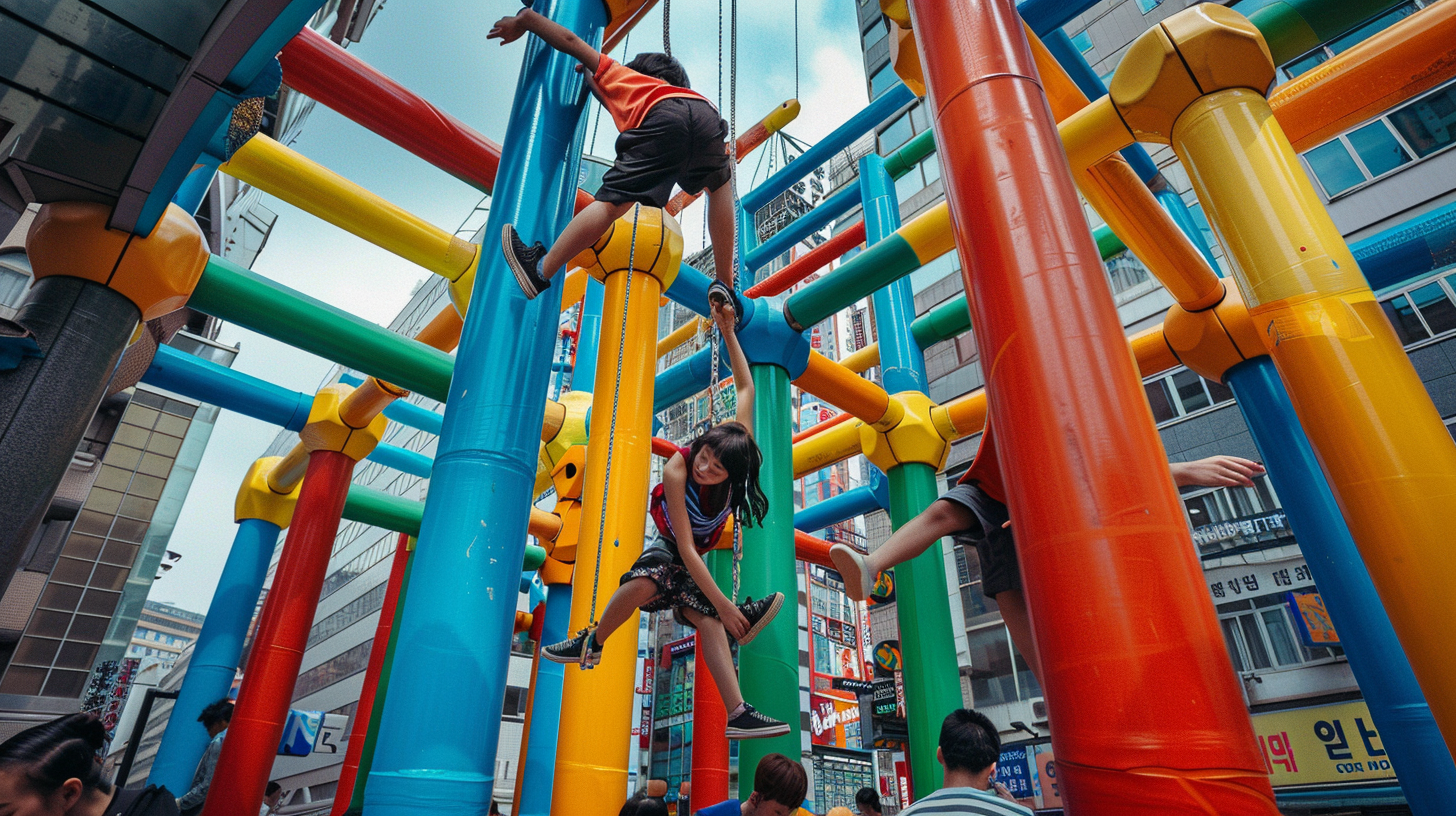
[1150, 717]
[436, 752]
[363, 713]
[538, 771]
[710, 717]
[931, 676]
[769, 666]
[246, 762]
[591, 763]
[381, 691]
[1422, 763]
[215, 656]
[588, 336]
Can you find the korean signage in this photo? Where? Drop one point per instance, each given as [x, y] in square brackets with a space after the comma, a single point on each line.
[1312, 619]
[1013, 771]
[1029, 772]
[1336, 743]
[834, 722]
[1252, 580]
[1239, 531]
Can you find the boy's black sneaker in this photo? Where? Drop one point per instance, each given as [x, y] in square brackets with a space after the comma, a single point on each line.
[524, 261]
[582, 649]
[759, 613]
[752, 725]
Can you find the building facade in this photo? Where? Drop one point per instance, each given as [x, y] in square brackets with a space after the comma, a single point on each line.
[163, 631]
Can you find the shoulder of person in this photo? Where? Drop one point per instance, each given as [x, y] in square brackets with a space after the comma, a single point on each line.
[148, 801]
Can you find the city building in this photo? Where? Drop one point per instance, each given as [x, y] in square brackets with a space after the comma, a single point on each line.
[163, 631]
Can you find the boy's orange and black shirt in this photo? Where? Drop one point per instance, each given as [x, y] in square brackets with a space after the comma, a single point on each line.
[628, 95]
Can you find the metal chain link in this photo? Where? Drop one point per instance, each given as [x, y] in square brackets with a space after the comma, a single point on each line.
[666, 37]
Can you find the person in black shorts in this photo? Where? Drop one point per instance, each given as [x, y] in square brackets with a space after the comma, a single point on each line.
[670, 135]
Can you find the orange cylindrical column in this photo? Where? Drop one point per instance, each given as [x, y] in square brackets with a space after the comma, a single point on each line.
[257, 725]
[1148, 712]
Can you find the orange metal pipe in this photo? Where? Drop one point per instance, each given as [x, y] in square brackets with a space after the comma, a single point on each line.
[844, 389]
[809, 263]
[811, 550]
[1150, 716]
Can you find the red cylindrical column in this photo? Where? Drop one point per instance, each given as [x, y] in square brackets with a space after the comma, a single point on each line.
[710, 745]
[257, 725]
[802, 267]
[1146, 710]
[360, 727]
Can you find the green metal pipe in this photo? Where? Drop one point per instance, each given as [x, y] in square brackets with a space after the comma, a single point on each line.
[1294, 27]
[941, 323]
[910, 154]
[769, 666]
[1108, 244]
[933, 689]
[376, 712]
[401, 515]
[229, 292]
[882, 263]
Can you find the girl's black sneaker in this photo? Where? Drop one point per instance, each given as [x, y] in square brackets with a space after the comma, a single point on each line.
[759, 613]
[752, 725]
[582, 649]
[524, 261]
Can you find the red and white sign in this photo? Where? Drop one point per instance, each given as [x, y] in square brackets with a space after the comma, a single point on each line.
[902, 778]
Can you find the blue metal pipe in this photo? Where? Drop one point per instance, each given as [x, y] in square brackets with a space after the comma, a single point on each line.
[589, 336]
[1407, 729]
[215, 655]
[1408, 250]
[540, 765]
[843, 507]
[436, 752]
[208, 382]
[407, 461]
[690, 290]
[194, 188]
[1181, 216]
[843, 136]
[902, 365]
[685, 379]
[802, 227]
[405, 413]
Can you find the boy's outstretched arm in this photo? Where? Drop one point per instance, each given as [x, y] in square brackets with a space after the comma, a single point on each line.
[742, 377]
[510, 29]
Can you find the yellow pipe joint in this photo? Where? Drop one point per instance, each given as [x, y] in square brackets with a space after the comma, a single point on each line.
[916, 437]
[645, 240]
[1093, 133]
[555, 573]
[258, 500]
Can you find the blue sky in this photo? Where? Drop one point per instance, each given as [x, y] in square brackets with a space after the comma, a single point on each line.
[438, 49]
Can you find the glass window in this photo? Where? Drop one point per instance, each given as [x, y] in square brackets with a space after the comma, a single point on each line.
[1429, 123]
[1190, 391]
[1372, 28]
[1219, 391]
[875, 34]
[1160, 400]
[908, 185]
[1083, 41]
[992, 681]
[917, 118]
[1146, 6]
[13, 282]
[1435, 306]
[1257, 653]
[898, 133]
[883, 80]
[931, 168]
[1378, 148]
[1334, 167]
[1280, 636]
[1407, 324]
[1305, 63]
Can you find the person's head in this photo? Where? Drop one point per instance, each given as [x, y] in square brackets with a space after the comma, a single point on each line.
[272, 794]
[660, 66]
[868, 802]
[642, 804]
[54, 769]
[779, 786]
[216, 716]
[969, 747]
[727, 454]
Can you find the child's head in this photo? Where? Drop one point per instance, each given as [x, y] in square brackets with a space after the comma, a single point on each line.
[969, 742]
[779, 786]
[50, 768]
[662, 67]
[642, 804]
[867, 800]
[728, 454]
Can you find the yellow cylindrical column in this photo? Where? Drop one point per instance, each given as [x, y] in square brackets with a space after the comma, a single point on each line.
[591, 761]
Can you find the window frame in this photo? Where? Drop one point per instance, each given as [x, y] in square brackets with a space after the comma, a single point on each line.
[1446, 277]
[1383, 118]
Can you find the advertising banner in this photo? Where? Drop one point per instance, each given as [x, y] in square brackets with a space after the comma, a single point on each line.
[834, 722]
[1335, 743]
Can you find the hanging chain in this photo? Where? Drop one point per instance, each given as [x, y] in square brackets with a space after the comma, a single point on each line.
[733, 147]
[666, 35]
[796, 49]
[612, 431]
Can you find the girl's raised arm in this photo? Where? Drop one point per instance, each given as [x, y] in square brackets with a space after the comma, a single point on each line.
[742, 378]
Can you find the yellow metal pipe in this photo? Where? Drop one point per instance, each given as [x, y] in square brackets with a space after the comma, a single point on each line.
[368, 401]
[834, 444]
[929, 234]
[1093, 133]
[1390, 460]
[863, 360]
[844, 389]
[591, 763]
[573, 286]
[288, 471]
[680, 335]
[276, 169]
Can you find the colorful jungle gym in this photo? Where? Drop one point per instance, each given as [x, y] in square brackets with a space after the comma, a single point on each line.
[1148, 711]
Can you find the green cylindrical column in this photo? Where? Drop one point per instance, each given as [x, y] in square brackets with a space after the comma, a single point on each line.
[768, 668]
[932, 678]
[366, 755]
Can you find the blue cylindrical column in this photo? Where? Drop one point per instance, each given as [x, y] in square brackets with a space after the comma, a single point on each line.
[588, 336]
[902, 365]
[215, 655]
[833, 510]
[539, 769]
[1176, 208]
[436, 752]
[1407, 729]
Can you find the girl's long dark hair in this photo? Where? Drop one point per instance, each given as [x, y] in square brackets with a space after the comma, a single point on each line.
[49, 754]
[734, 446]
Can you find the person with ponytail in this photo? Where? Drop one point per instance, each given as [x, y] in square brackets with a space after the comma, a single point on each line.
[702, 484]
[54, 769]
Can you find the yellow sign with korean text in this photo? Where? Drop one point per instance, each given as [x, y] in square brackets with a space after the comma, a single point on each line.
[1335, 743]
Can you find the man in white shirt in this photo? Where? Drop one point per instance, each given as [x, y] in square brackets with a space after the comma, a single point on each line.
[969, 749]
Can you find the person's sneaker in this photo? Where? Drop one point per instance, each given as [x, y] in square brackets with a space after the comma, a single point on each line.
[524, 261]
[858, 582]
[749, 724]
[759, 613]
[576, 650]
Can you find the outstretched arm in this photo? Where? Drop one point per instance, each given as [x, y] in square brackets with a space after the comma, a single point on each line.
[742, 377]
[1216, 471]
[674, 488]
[510, 29]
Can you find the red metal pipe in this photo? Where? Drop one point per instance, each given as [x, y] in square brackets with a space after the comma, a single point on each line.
[360, 727]
[811, 550]
[809, 263]
[257, 725]
[662, 447]
[822, 426]
[1150, 718]
[710, 742]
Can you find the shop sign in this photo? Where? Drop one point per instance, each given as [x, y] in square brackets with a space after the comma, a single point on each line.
[853, 686]
[644, 730]
[1253, 580]
[902, 781]
[884, 588]
[1335, 743]
[681, 647]
[649, 669]
[887, 656]
[1013, 770]
[884, 697]
[1312, 619]
[829, 720]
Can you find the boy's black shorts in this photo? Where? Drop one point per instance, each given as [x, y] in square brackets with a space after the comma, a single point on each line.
[681, 141]
[994, 545]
